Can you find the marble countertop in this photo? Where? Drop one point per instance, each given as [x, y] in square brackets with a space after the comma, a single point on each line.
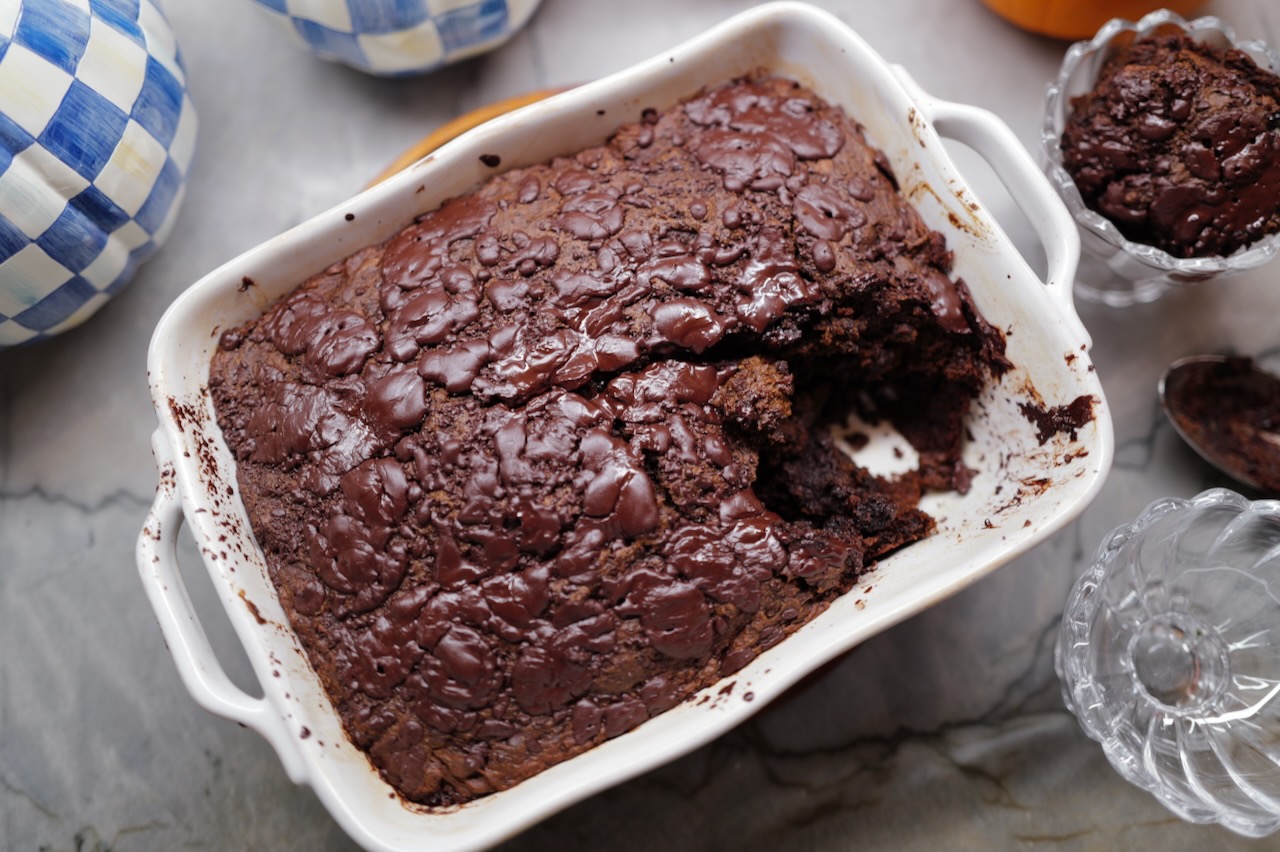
[947, 731]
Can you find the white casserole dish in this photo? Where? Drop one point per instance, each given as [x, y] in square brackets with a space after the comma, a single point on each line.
[1025, 490]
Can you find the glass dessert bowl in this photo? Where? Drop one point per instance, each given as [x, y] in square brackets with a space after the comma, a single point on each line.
[1114, 269]
[1169, 656]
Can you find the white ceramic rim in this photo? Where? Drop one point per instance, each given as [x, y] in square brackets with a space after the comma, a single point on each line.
[1028, 490]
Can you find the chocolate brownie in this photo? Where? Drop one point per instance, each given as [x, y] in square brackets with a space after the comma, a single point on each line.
[559, 454]
[1177, 145]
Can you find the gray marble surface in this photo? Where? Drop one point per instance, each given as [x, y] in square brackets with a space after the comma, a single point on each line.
[945, 732]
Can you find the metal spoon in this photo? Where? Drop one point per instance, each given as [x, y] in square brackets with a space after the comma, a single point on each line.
[1229, 411]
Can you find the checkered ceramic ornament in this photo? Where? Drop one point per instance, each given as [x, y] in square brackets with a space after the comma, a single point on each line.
[96, 133]
[394, 37]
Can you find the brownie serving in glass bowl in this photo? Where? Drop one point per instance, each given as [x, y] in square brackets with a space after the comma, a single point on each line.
[1178, 144]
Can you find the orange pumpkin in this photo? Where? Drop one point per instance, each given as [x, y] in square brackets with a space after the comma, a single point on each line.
[457, 126]
[1077, 19]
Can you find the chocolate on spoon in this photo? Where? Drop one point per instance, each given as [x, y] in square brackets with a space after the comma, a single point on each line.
[1229, 411]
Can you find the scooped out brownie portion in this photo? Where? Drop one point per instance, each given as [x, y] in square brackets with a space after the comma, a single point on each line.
[559, 454]
[1178, 144]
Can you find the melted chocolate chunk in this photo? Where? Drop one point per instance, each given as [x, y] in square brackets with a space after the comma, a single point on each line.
[558, 455]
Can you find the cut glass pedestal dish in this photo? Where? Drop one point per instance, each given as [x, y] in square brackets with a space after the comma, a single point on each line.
[1169, 656]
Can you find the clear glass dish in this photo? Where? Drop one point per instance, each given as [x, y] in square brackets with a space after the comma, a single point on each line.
[1169, 655]
[1113, 269]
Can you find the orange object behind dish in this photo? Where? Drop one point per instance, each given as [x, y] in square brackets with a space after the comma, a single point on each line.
[1077, 19]
[456, 127]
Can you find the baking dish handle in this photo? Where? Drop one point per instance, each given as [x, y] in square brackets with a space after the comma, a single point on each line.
[991, 138]
[201, 673]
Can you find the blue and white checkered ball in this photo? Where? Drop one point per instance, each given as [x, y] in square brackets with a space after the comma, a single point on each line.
[96, 134]
[396, 37]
